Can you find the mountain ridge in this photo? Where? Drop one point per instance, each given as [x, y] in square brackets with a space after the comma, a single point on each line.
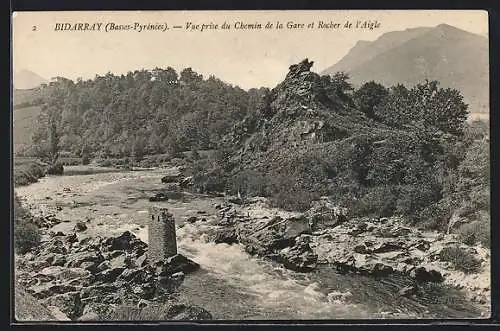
[456, 58]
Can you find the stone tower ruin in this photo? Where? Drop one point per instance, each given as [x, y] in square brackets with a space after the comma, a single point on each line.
[161, 235]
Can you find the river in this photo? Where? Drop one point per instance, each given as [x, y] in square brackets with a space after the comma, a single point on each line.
[231, 284]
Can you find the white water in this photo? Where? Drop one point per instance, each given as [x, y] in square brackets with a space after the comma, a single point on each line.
[271, 290]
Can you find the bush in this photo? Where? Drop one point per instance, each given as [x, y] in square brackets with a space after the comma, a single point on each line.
[296, 200]
[28, 172]
[474, 232]
[210, 182]
[460, 258]
[379, 202]
[26, 236]
[85, 160]
[55, 169]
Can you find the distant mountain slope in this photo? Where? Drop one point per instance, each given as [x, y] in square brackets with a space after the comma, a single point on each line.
[26, 97]
[23, 121]
[26, 79]
[456, 58]
[365, 50]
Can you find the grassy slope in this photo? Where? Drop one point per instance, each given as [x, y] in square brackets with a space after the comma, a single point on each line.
[24, 120]
[25, 96]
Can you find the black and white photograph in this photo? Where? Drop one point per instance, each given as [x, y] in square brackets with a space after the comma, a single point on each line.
[250, 165]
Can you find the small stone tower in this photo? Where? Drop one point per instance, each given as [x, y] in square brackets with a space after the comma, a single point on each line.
[161, 235]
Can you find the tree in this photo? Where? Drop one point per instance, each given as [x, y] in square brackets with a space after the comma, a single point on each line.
[436, 108]
[369, 96]
[49, 128]
[188, 76]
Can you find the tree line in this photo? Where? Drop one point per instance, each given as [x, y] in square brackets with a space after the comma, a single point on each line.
[141, 113]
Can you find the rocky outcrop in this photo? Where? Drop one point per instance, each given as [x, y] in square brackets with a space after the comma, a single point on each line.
[86, 278]
[276, 238]
[299, 257]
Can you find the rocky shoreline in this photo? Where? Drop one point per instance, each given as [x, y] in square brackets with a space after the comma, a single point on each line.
[89, 279]
[377, 247]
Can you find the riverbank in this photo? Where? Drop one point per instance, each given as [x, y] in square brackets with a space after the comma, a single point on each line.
[232, 284]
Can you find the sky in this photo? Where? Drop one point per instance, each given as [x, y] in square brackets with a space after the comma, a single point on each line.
[244, 57]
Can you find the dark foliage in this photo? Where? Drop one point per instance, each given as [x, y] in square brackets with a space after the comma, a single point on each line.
[461, 259]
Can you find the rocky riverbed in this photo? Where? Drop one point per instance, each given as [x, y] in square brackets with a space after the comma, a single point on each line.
[255, 262]
[376, 247]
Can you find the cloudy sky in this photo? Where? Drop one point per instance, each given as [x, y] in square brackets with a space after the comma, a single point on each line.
[248, 58]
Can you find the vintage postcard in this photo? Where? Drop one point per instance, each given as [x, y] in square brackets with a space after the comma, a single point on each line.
[251, 165]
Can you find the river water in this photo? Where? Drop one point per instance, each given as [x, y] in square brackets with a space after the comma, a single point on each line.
[231, 284]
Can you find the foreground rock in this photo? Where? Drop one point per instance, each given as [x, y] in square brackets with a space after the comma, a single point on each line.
[299, 257]
[88, 279]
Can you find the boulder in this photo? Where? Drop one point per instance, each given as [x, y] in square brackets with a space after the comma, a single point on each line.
[263, 237]
[58, 314]
[130, 274]
[299, 257]
[109, 275]
[80, 226]
[62, 273]
[178, 263]
[423, 274]
[98, 290]
[50, 289]
[90, 316]
[76, 259]
[171, 178]
[323, 214]
[227, 236]
[71, 238]
[57, 246]
[158, 197]
[58, 260]
[127, 241]
[141, 261]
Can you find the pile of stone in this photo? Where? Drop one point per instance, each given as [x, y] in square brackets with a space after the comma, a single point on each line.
[88, 278]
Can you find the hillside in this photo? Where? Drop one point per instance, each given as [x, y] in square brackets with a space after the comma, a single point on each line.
[26, 79]
[25, 98]
[311, 140]
[456, 58]
[23, 121]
